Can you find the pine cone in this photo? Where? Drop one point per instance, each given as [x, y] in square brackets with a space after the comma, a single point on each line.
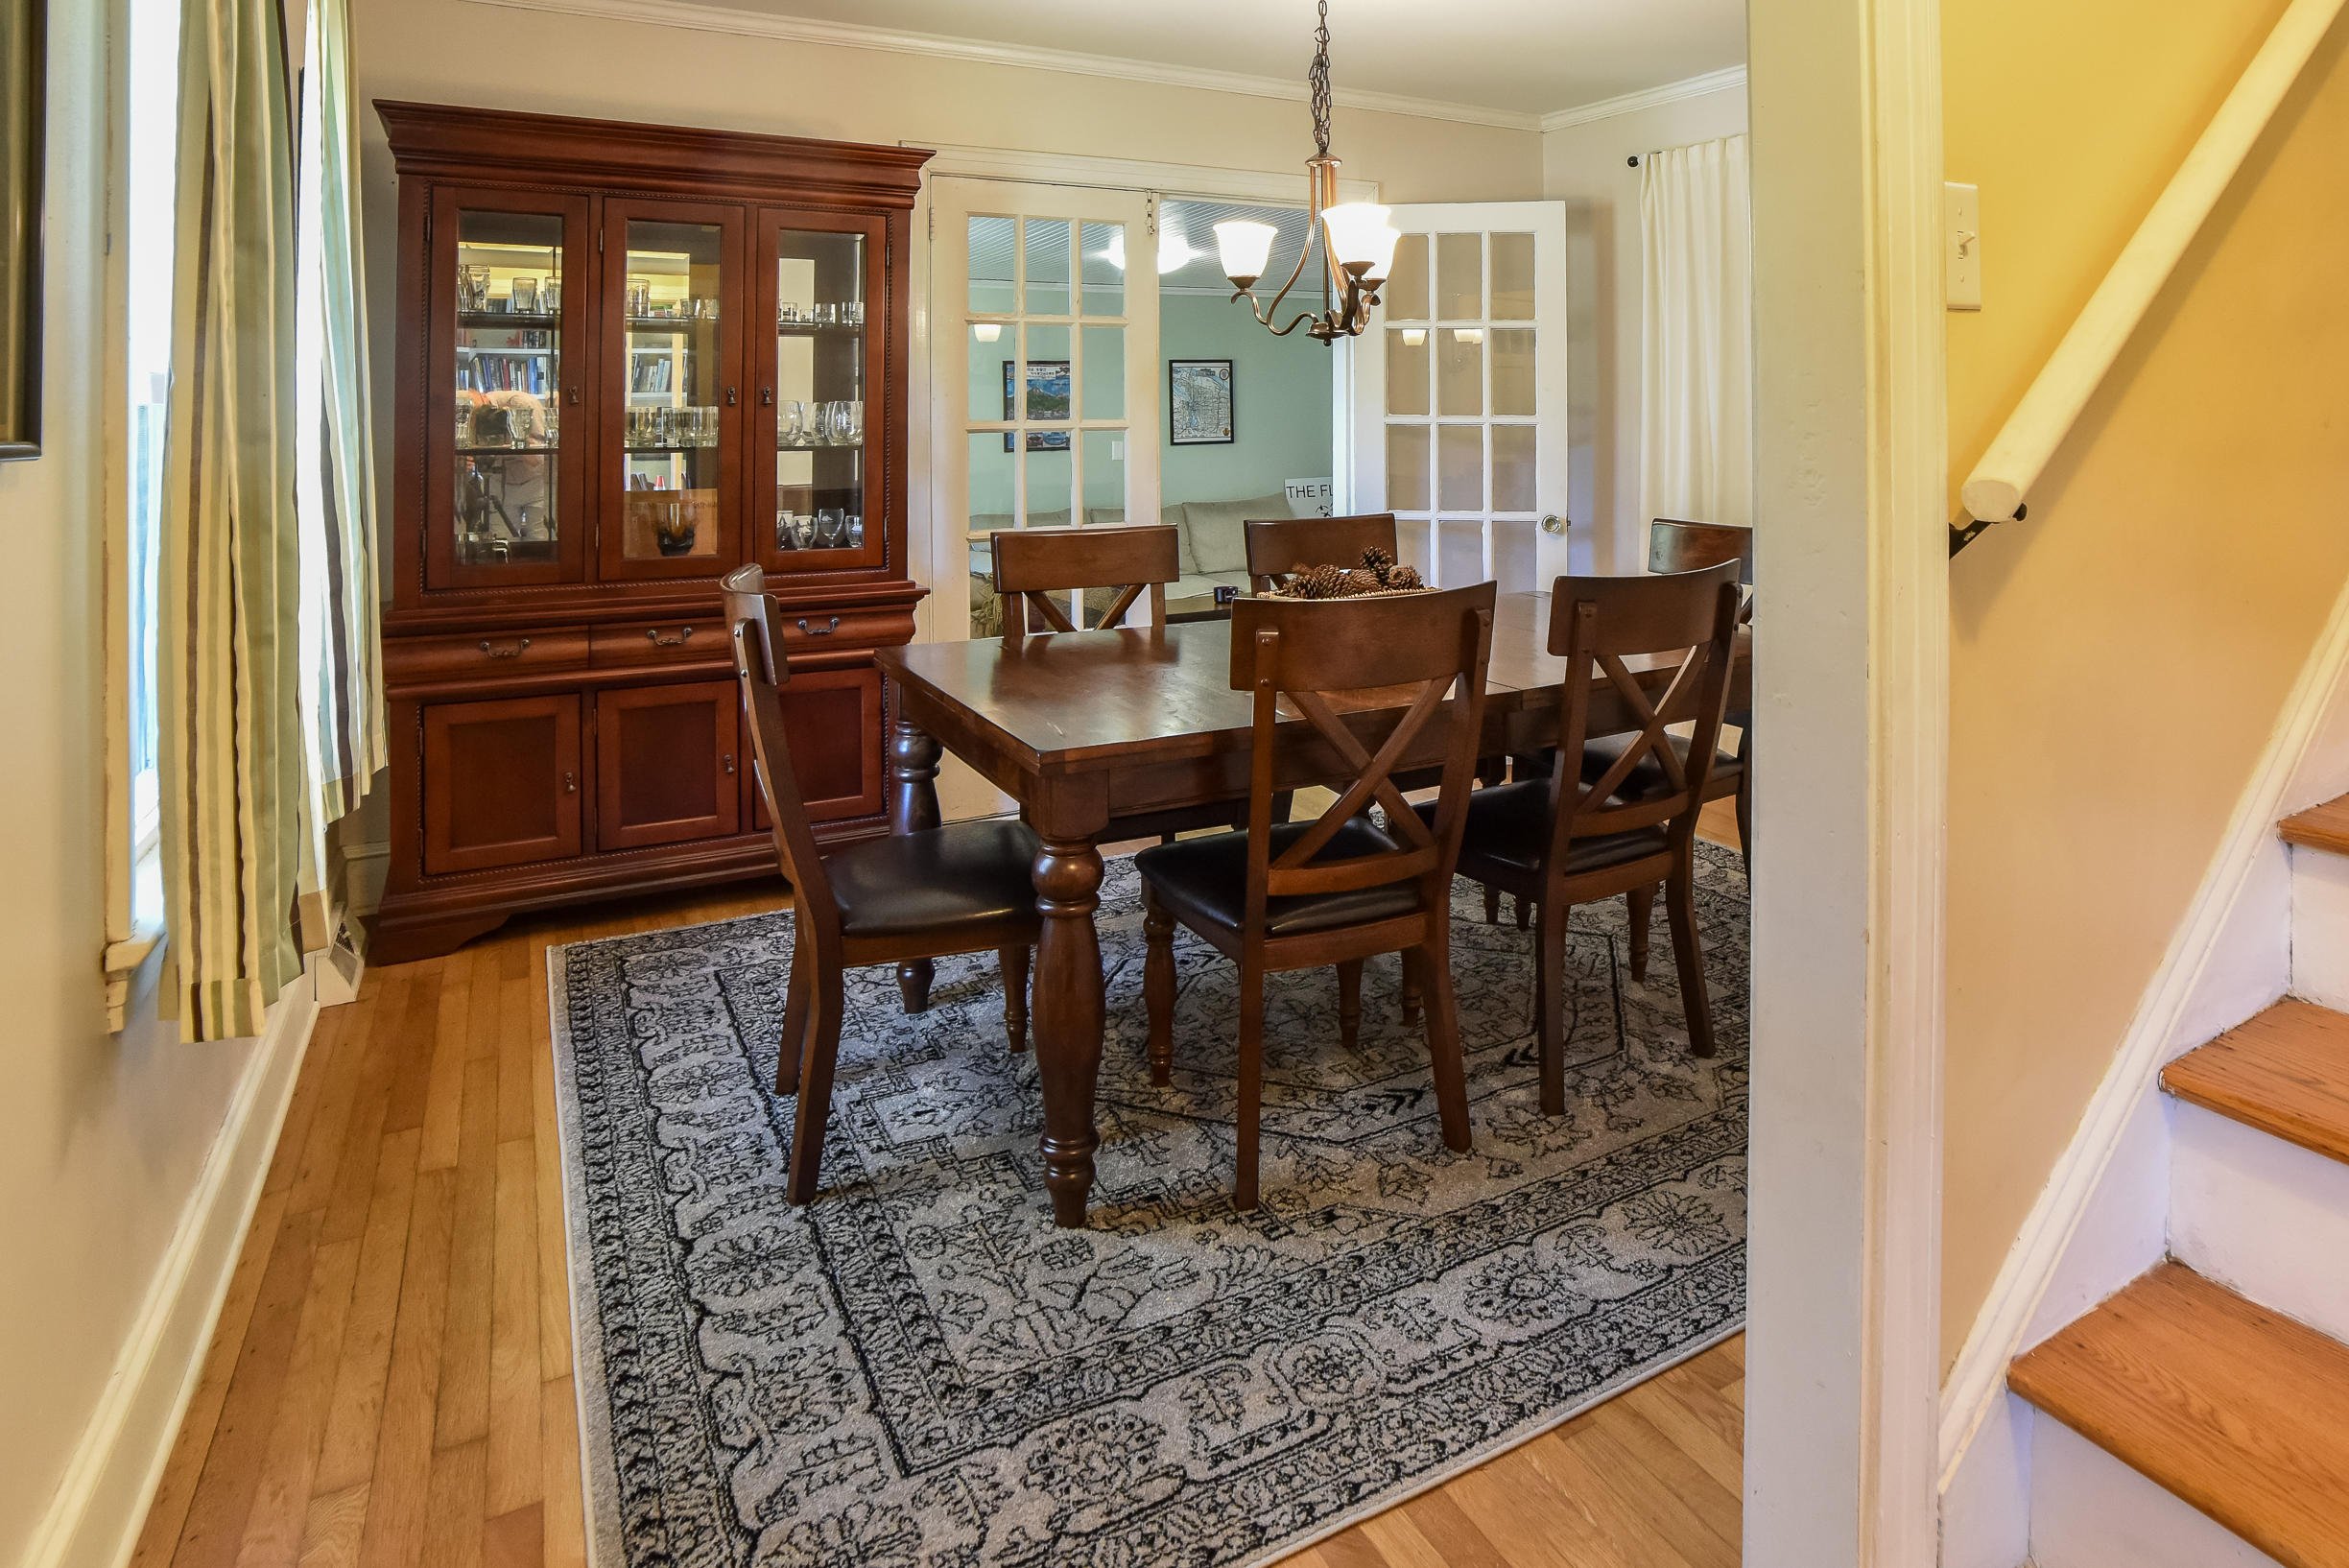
[1403, 579]
[1321, 582]
[1363, 580]
[1378, 563]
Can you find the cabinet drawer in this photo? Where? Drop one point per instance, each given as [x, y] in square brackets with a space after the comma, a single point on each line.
[701, 640]
[409, 659]
[818, 630]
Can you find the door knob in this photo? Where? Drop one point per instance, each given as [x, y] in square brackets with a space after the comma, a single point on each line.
[1555, 524]
[570, 782]
[729, 764]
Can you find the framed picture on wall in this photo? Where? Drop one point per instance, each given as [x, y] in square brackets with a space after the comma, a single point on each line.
[22, 73]
[1200, 402]
[1048, 398]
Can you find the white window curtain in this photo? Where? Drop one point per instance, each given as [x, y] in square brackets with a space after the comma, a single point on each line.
[1697, 339]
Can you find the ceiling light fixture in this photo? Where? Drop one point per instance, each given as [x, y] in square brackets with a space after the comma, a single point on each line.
[1173, 250]
[1357, 244]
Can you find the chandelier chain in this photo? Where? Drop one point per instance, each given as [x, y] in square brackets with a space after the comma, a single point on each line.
[1319, 77]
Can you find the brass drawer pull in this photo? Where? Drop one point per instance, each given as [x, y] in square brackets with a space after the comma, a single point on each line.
[824, 631]
[684, 635]
[505, 649]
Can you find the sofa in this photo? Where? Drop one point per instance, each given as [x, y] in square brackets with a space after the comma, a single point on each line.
[1214, 540]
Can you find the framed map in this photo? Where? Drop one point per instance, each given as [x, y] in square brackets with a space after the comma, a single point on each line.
[1200, 402]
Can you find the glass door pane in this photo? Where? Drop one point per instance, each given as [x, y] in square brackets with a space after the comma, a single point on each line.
[820, 440]
[679, 389]
[510, 376]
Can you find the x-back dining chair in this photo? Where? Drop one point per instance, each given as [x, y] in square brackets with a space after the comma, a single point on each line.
[1029, 567]
[1277, 547]
[1340, 889]
[963, 888]
[1564, 838]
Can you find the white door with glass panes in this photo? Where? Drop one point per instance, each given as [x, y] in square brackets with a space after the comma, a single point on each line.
[1046, 410]
[1459, 423]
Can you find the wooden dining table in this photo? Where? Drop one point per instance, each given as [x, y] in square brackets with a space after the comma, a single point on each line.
[1082, 726]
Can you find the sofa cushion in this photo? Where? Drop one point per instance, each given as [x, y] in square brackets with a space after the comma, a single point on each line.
[1217, 531]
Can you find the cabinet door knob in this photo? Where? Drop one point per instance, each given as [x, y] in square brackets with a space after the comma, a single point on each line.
[824, 631]
[677, 639]
[729, 764]
[730, 397]
[570, 782]
[575, 397]
[505, 650]
[766, 397]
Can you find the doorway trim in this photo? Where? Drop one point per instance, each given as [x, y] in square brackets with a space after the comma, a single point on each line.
[1843, 1350]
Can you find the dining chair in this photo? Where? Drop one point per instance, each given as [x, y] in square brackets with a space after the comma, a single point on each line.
[1030, 565]
[1034, 570]
[1342, 888]
[963, 888]
[1277, 547]
[1565, 838]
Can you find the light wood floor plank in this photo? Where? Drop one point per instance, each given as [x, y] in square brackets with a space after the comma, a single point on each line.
[431, 1417]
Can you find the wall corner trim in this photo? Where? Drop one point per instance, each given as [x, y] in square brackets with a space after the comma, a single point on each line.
[1631, 103]
[101, 1503]
[1980, 1374]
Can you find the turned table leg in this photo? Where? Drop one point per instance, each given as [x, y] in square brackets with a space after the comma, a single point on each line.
[913, 805]
[1066, 1018]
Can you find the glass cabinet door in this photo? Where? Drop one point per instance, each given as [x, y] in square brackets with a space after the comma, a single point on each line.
[672, 387]
[505, 397]
[818, 441]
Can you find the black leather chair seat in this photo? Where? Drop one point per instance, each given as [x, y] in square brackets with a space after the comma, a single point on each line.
[1646, 776]
[1204, 880]
[963, 875]
[1509, 827]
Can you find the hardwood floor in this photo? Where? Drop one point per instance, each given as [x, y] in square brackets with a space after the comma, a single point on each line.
[391, 1380]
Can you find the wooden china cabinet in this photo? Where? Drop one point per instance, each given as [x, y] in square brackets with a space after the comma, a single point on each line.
[630, 359]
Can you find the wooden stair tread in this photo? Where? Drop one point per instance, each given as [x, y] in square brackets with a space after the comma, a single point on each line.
[2319, 827]
[2285, 1072]
[2230, 1406]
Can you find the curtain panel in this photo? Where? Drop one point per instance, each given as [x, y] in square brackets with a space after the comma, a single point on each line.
[1697, 335]
[342, 684]
[228, 577]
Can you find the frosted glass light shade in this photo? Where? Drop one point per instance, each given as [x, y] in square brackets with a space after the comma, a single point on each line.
[1382, 253]
[986, 331]
[1172, 252]
[1245, 247]
[1355, 231]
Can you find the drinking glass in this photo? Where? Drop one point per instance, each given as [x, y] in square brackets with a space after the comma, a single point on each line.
[640, 296]
[852, 424]
[472, 288]
[518, 426]
[550, 419]
[829, 524]
[853, 313]
[550, 295]
[791, 423]
[522, 296]
[856, 530]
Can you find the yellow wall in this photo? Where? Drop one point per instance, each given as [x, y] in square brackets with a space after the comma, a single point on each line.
[2119, 659]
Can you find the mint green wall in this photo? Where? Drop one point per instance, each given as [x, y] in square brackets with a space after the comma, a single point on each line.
[1280, 390]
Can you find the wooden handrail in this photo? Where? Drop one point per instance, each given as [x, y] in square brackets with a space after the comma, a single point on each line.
[1996, 489]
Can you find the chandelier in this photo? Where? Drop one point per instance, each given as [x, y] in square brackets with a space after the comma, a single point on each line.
[1357, 244]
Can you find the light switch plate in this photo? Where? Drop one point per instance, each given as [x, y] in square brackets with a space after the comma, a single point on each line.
[1961, 245]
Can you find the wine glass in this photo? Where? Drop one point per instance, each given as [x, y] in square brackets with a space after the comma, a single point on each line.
[830, 523]
[793, 422]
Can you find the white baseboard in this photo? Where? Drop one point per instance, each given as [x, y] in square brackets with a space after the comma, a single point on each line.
[94, 1519]
[2226, 959]
[2266, 1218]
[2090, 1510]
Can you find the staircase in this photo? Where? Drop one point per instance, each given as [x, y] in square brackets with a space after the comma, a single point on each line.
[2201, 1417]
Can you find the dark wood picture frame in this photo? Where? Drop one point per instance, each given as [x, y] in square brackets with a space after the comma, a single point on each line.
[23, 118]
[1176, 437]
[1038, 440]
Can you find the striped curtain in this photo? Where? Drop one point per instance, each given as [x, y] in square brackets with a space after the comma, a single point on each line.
[343, 710]
[229, 577]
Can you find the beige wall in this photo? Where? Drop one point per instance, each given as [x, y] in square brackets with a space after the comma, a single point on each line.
[2119, 659]
[101, 1137]
[1585, 167]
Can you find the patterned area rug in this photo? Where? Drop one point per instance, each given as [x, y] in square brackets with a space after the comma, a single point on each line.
[919, 1371]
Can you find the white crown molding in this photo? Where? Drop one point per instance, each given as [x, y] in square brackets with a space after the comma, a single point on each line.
[1631, 103]
[702, 17]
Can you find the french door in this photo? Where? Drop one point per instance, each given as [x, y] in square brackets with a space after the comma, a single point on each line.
[1043, 351]
[1459, 422]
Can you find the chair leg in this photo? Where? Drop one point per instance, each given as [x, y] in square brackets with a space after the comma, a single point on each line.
[1688, 956]
[1158, 986]
[1641, 902]
[1409, 997]
[1444, 1047]
[815, 1087]
[1492, 905]
[1014, 962]
[1281, 801]
[1251, 1081]
[793, 1043]
[1349, 1003]
[1550, 994]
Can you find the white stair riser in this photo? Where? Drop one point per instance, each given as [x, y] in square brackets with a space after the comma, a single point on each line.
[2266, 1218]
[2090, 1510]
[2320, 926]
